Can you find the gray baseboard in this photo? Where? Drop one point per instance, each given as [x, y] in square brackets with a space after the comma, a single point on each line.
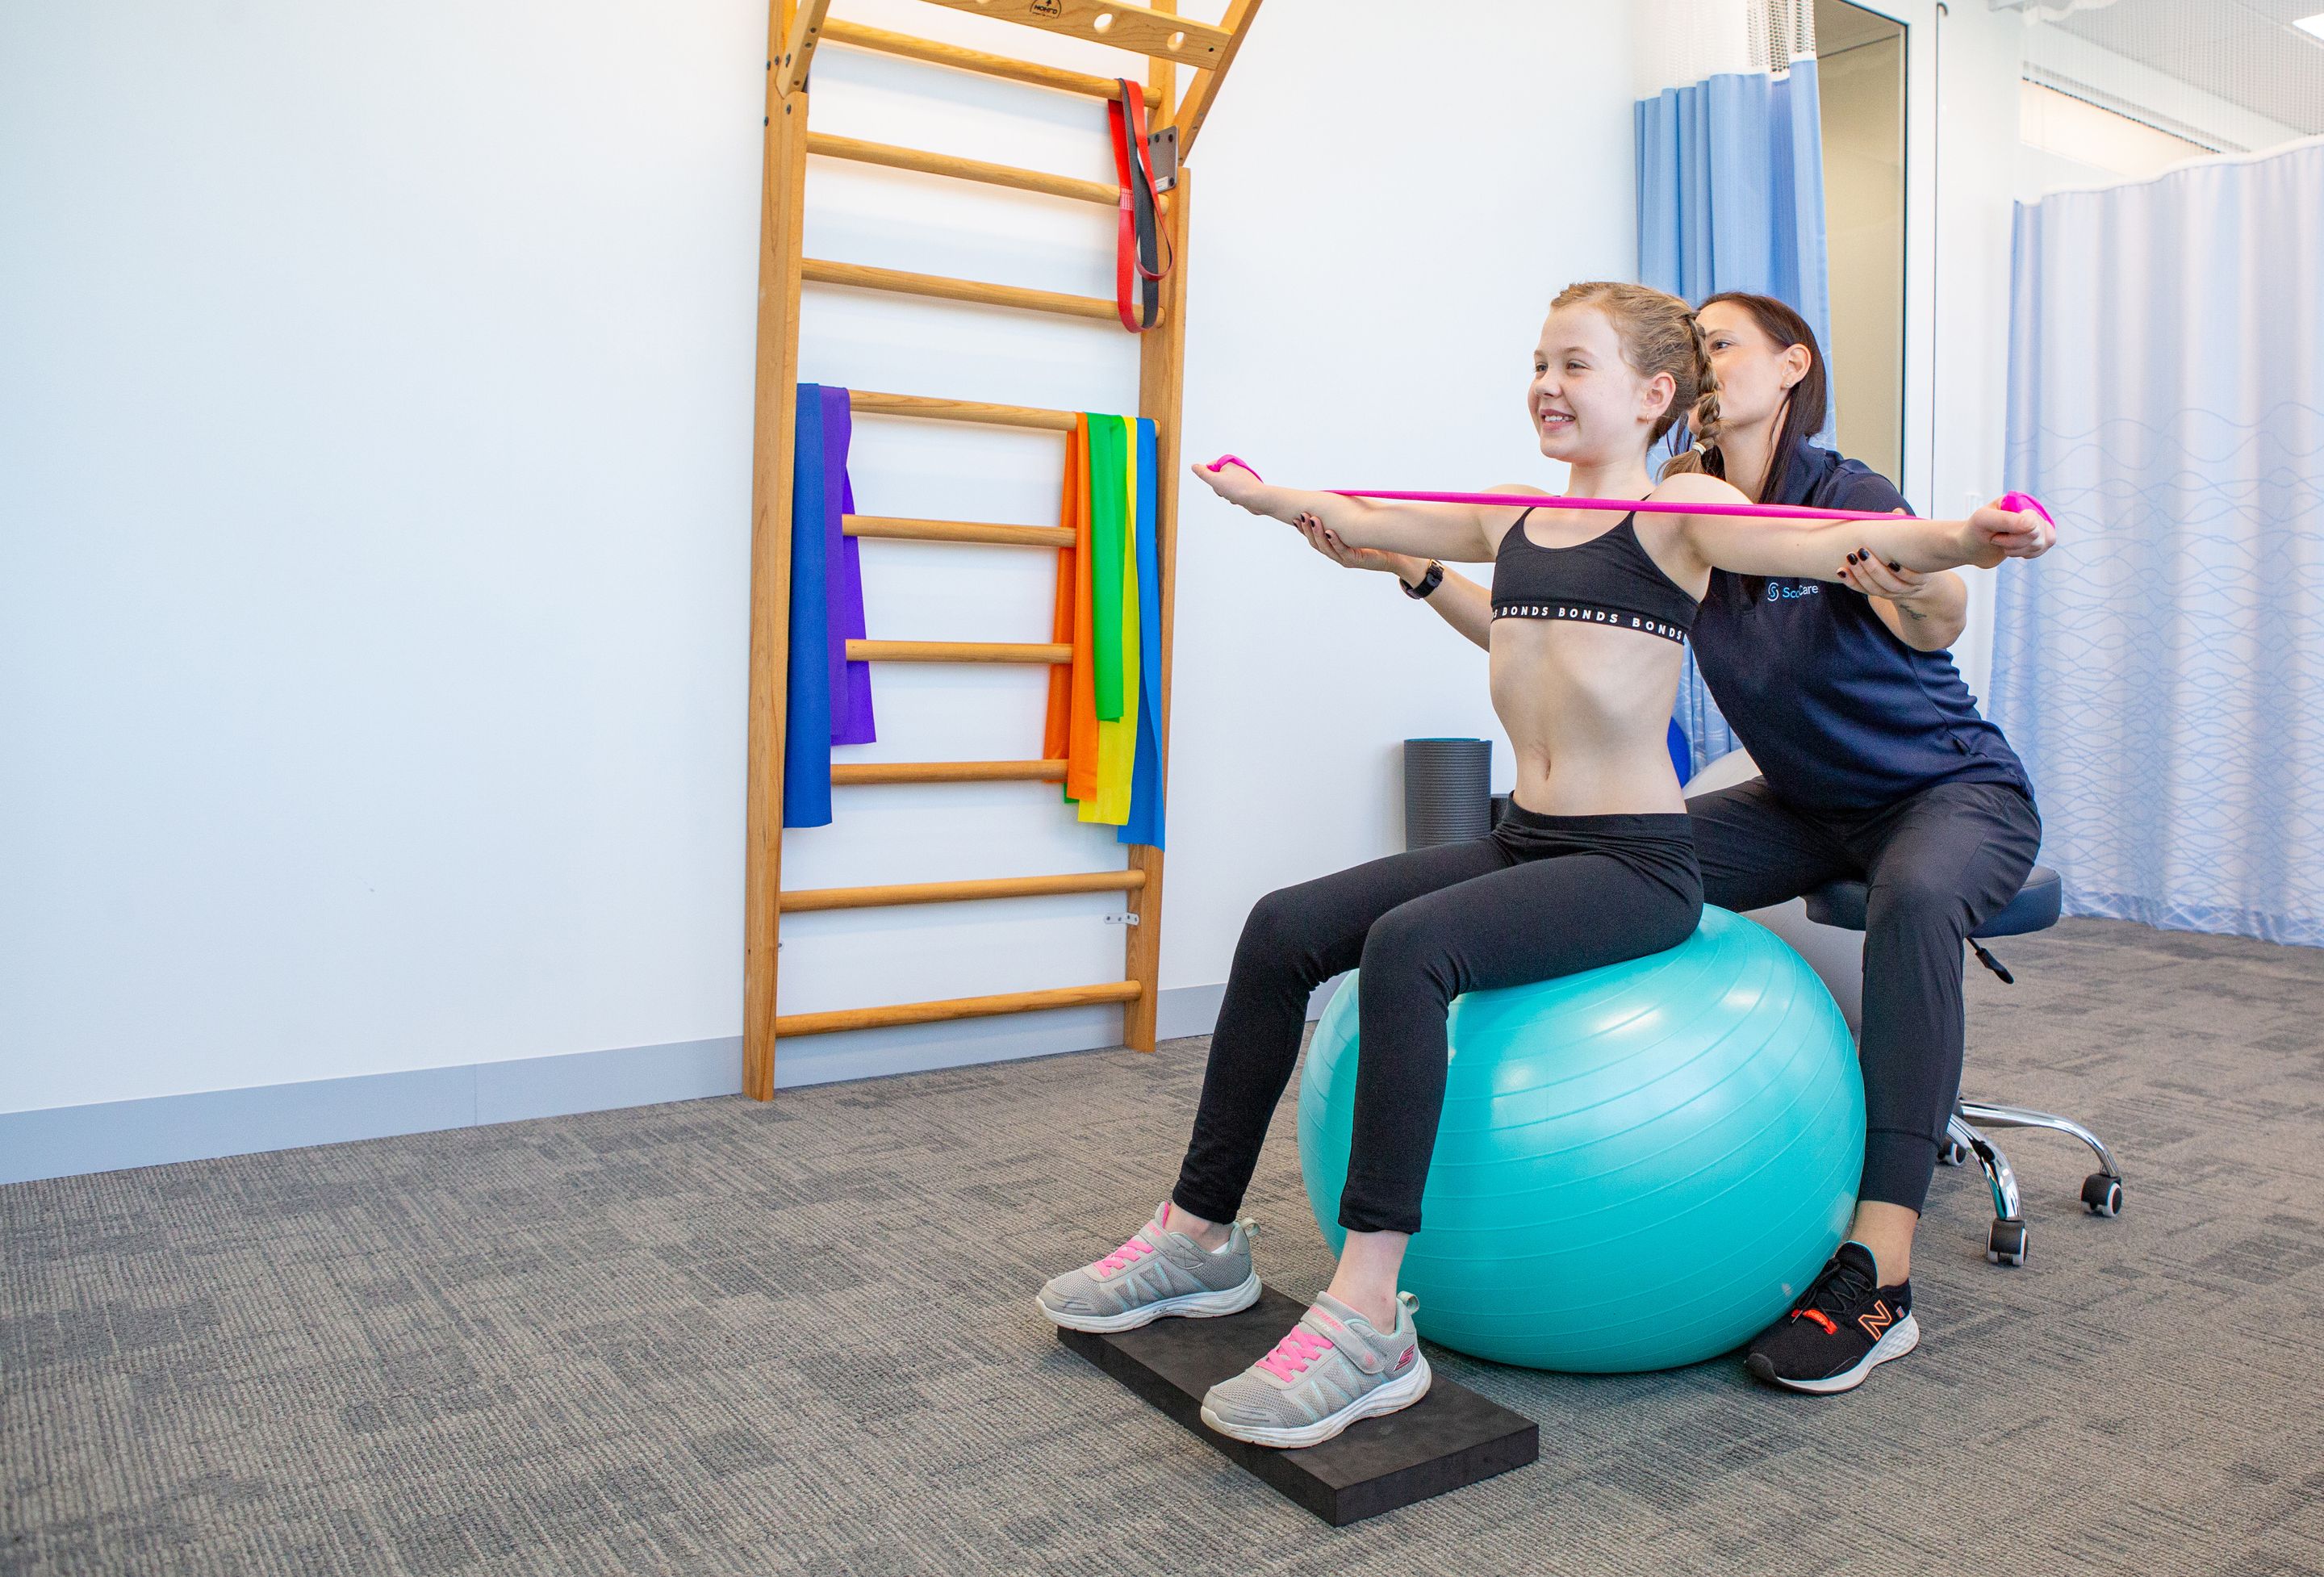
[63, 1141]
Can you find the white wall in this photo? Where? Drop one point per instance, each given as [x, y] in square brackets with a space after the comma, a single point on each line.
[1961, 66]
[377, 388]
[374, 484]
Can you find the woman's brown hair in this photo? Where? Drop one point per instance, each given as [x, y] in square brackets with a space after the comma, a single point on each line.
[1805, 403]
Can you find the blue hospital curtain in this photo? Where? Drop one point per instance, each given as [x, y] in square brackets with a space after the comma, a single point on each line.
[2162, 669]
[1730, 197]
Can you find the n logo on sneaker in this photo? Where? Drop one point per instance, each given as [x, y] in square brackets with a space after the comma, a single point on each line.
[1877, 1320]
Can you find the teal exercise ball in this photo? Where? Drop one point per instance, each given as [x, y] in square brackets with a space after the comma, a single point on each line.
[1637, 1166]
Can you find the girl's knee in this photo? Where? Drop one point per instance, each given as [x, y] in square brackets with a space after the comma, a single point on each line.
[1276, 927]
[1399, 941]
[1408, 955]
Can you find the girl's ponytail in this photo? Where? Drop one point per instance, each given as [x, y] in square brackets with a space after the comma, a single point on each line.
[1702, 418]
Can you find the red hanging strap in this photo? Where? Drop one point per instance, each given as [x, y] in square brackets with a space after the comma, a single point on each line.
[1139, 265]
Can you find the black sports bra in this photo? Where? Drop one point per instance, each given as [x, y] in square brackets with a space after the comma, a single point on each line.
[1610, 579]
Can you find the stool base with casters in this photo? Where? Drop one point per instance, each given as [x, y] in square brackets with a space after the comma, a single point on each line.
[2006, 1242]
[2034, 909]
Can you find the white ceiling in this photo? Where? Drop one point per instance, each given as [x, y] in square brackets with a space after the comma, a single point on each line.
[2245, 51]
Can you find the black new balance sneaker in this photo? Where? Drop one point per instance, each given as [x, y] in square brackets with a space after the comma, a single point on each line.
[1843, 1328]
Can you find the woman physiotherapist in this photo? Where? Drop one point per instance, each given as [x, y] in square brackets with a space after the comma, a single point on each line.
[1875, 764]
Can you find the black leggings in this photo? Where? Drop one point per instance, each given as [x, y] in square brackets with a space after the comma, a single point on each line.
[1937, 863]
[1542, 897]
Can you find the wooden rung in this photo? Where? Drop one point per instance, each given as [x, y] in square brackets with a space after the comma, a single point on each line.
[959, 652]
[865, 403]
[1156, 34]
[1197, 106]
[798, 50]
[942, 54]
[1112, 991]
[942, 287]
[913, 531]
[846, 772]
[800, 899]
[1009, 175]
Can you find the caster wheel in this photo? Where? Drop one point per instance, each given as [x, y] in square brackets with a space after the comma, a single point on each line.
[2005, 1244]
[1953, 1153]
[2102, 1193]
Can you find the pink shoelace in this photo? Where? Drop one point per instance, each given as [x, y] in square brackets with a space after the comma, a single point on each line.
[1135, 1250]
[1296, 1351]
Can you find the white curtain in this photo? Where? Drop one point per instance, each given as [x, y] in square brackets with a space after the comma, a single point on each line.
[2162, 670]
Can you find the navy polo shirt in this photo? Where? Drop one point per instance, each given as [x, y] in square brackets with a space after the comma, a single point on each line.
[1841, 716]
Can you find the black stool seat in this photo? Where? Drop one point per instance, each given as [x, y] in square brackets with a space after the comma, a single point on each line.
[2034, 909]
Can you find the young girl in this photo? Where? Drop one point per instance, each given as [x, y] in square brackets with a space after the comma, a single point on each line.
[1593, 865]
[1875, 764]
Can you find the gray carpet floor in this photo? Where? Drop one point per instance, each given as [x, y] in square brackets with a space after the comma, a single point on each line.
[720, 1337]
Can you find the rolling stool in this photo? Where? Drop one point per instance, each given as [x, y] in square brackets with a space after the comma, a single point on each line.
[2034, 909]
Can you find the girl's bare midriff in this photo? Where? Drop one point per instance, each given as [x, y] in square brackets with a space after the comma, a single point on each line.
[1586, 708]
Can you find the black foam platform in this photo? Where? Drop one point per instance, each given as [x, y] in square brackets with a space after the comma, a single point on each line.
[1449, 1438]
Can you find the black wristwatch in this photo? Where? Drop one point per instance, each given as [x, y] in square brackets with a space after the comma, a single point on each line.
[1428, 583]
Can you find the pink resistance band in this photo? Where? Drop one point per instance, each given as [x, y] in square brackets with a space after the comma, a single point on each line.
[2009, 501]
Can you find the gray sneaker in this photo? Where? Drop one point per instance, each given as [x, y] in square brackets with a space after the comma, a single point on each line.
[1332, 1369]
[1154, 1274]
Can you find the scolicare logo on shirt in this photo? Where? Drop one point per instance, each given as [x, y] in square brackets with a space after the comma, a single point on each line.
[1780, 591]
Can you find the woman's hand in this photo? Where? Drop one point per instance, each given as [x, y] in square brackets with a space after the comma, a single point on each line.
[1926, 611]
[1905, 587]
[1910, 589]
[1234, 482]
[1327, 542]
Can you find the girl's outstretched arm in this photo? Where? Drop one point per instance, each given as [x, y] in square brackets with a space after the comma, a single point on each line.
[1460, 531]
[1808, 550]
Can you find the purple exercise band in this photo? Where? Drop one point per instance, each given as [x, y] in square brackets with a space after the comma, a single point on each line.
[2011, 501]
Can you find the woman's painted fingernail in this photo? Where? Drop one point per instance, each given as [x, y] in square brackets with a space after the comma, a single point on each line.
[1897, 566]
